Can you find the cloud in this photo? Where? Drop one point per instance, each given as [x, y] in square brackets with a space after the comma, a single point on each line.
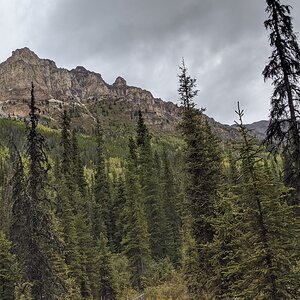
[224, 44]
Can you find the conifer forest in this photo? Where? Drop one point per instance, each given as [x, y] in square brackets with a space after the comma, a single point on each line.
[110, 215]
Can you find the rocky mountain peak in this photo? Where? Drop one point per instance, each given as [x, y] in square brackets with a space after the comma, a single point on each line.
[120, 83]
[80, 69]
[24, 54]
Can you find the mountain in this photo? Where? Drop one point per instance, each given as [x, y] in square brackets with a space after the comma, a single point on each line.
[86, 95]
[257, 129]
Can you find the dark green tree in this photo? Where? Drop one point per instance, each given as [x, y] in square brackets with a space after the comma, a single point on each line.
[5, 195]
[150, 189]
[262, 231]
[66, 144]
[34, 239]
[75, 215]
[67, 218]
[136, 238]
[101, 217]
[77, 165]
[106, 288]
[225, 249]
[284, 70]
[118, 214]
[87, 247]
[202, 170]
[172, 218]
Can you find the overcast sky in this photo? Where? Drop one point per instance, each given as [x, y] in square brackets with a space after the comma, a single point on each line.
[224, 44]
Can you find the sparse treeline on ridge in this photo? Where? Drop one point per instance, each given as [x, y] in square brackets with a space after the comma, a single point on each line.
[191, 219]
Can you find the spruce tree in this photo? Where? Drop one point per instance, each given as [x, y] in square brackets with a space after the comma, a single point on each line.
[136, 237]
[86, 247]
[34, 239]
[69, 209]
[150, 189]
[284, 70]
[260, 232]
[173, 221]
[77, 165]
[118, 214]
[202, 170]
[18, 190]
[5, 193]
[101, 218]
[71, 250]
[74, 214]
[226, 248]
[106, 287]
[66, 144]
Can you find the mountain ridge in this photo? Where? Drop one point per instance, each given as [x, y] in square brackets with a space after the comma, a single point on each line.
[85, 93]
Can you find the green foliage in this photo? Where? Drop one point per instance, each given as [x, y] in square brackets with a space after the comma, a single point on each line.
[256, 242]
[136, 237]
[8, 270]
[190, 261]
[101, 190]
[68, 230]
[66, 144]
[106, 284]
[77, 165]
[23, 291]
[121, 276]
[159, 272]
[283, 69]
[5, 191]
[170, 206]
[117, 212]
[86, 247]
[150, 190]
[33, 237]
[172, 288]
[202, 171]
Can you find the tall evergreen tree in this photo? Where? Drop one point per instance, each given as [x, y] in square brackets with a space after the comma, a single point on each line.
[202, 169]
[284, 69]
[106, 288]
[66, 144]
[263, 231]
[86, 246]
[5, 195]
[118, 214]
[69, 209]
[150, 189]
[33, 237]
[136, 238]
[74, 213]
[173, 221]
[77, 165]
[71, 250]
[101, 189]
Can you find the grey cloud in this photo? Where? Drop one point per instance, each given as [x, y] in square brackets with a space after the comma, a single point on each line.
[223, 41]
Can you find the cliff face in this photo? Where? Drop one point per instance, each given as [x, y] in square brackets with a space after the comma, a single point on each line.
[24, 66]
[83, 92]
